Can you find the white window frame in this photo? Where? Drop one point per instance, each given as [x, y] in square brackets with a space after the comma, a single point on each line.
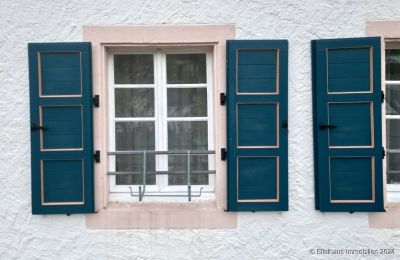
[393, 190]
[122, 192]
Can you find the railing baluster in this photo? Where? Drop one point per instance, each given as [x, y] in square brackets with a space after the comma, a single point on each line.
[141, 193]
[188, 176]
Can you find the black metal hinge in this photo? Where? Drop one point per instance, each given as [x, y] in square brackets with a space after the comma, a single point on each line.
[222, 99]
[96, 100]
[223, 154]
[383, 152]
[96, 156]
[383, 96]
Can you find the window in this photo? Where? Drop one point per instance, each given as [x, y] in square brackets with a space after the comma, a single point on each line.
[153, 90]
[392, 80]
[160, 109]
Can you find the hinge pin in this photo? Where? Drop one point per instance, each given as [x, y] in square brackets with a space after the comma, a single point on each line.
[96, 101]
[222, 99]
[96, 156]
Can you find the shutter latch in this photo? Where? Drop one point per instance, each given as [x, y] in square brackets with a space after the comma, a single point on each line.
[96, 156]
[222, 98]
[383, 152]
[35, 127]
[96, 100]
[383, 96]
[223, 154]
[323, 126]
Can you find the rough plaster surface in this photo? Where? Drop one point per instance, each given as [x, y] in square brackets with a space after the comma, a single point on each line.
[259, 235]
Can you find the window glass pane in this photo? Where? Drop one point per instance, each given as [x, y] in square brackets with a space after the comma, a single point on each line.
[134, 163]
[133, 69]
[187, 102]
[392, 64]
[198, 164]
[190, 135]
[393, 133]
[134, 102]
[131, 136]
[393, 99]
[393, 168]
[186, 68]
[187, 135]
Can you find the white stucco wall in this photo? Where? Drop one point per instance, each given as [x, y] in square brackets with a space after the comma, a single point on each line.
[259, 235]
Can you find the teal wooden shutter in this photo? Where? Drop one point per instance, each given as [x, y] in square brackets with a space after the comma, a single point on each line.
[257, 77]
[61, 128]
[347, 124]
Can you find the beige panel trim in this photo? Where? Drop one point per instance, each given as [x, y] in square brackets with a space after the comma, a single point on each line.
[371, 72]
[277, 73]
[277, 180]
[277, 126]
[372, 181]
[42, 149]
[371, 113]
[371, 69]
[61, 203]
[39, 54]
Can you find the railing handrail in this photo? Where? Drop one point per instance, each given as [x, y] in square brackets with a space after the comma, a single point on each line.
[158, 172]
[174, 152]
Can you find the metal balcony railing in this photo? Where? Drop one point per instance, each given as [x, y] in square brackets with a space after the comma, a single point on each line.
[144, 173]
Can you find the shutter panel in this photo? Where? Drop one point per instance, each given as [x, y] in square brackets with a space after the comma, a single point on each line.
[61, 128]
[347, 124]
[257, 77]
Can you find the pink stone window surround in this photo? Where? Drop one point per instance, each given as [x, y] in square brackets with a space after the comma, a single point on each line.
[207, 214]
[389, 31]
[391, 218]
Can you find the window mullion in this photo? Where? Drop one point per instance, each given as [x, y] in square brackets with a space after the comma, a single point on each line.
[162, 180]
[392, 82]
[157, 109]
[210, 119]
[111, 125]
